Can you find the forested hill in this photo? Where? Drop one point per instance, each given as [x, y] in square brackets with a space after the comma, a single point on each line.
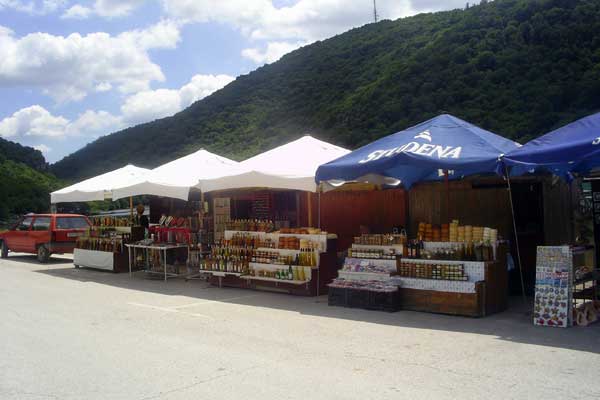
[516, 67]
[24, 182]
[22, 154]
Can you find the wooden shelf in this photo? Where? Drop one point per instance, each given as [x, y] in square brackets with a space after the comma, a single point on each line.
[261, 278]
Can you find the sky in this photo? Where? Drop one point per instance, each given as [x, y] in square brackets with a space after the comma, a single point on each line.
[73, 70]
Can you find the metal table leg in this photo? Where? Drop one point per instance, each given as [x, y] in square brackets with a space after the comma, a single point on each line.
[165, 250]
[129, 260]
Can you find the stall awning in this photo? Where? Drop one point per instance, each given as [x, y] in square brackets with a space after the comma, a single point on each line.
[572, 148]
[174, 179]
[99, 187]
[291, 166]
[421, 153]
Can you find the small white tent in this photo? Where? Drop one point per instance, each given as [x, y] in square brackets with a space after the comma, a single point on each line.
[174, 179]
[291, 166]
[99, 187]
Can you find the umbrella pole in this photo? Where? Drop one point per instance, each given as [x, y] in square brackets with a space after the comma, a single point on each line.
[131, 208]
[512, 211]
[447, 195]
[319, 209]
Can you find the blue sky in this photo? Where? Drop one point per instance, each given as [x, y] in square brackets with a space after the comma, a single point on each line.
[74, 70]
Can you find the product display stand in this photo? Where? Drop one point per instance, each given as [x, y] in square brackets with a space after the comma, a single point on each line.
[469, 288]
[565, 286]
[262, 277]
[163, 249]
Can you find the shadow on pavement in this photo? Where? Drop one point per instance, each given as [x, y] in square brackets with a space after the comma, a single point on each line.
[30, 259]
[513, 325]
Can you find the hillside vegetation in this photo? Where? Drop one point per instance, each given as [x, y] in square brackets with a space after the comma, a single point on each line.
[25, 184]
[516, 67]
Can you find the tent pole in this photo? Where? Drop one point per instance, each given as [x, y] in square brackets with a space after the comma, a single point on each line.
[512, 211]
[309, 208]
[131, 207]
[319, 209]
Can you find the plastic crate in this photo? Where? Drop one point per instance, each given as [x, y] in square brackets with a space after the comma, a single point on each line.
[337, 296]
[358, 298]
[384, 301]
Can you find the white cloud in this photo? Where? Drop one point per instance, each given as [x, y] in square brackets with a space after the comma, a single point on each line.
[153, 104]
[103, 8]
[77, 12]
[273, 52]
[33, 7]
[301, 21]
[39, 122]
[33, 121]
[43, 148]
[68, 68]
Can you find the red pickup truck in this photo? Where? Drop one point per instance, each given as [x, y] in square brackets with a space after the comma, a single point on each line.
[44, 234]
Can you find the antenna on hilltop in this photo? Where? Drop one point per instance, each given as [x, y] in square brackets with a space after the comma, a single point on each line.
[375, 16]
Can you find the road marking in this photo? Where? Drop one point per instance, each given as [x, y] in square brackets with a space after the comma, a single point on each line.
[170, 310]
[199, 303]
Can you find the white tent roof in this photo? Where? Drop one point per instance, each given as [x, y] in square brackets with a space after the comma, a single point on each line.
[175, 178]
[99, 187]
[291, 166]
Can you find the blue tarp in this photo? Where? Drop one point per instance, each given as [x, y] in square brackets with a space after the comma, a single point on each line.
[422, 153]
[572, 148]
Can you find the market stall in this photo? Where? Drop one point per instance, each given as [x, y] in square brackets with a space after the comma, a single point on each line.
[103, 247]
[268, 207]
[567, 277]
[446, 268]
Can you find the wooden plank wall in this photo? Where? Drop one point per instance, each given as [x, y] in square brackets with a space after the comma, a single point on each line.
[487, 206]
[343, 212]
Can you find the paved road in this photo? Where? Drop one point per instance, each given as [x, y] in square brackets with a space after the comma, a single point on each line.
[83, 334]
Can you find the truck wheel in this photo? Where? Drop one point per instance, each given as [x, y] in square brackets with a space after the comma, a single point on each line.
[3, 250]
[43, 254]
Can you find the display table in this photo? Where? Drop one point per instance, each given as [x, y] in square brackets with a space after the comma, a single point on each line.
[105, 260]
[162, 250]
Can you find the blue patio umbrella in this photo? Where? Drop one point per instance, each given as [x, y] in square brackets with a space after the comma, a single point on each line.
[573, 148]
[444, 147]
[422, 153]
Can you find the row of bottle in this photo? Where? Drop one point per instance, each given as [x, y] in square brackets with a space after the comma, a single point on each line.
[232, 264]
[292, 273]
[110, 221]
[110, 244]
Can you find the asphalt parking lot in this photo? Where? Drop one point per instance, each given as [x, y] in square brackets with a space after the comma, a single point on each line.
[71, 333]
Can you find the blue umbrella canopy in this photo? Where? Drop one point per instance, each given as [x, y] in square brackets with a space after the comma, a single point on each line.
[420, 153]
[572, 148]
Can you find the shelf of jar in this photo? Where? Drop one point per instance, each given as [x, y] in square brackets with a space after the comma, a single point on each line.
[318, 238]
[263, 278]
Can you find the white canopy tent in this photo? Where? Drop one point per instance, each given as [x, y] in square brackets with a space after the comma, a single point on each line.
[174, 179]
[99, 187]
[291, 166]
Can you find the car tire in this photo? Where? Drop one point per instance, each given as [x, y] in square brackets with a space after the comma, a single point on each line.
[43, 254]
[3, 250]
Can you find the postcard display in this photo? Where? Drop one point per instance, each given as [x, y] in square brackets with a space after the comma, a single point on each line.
[565, 286]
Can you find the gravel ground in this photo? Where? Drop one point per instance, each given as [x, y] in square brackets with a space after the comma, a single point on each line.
[71, 333]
